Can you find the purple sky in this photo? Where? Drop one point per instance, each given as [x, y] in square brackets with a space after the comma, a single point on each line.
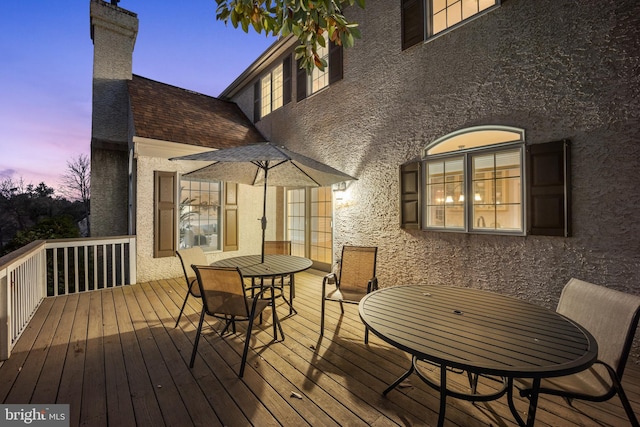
[46, 59]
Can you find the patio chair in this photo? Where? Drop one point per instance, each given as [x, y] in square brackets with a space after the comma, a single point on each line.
[282, 247]
[189, 257]
[223, 297]
[355, 279]
[612, 318]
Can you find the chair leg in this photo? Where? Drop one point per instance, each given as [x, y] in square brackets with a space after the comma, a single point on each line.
[366, 335]
[625, 402]
[246, 346]
[322, 315]
[195, 344]
[184, 304]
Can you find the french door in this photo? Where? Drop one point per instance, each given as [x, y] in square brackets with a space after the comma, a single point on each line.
[309, 224]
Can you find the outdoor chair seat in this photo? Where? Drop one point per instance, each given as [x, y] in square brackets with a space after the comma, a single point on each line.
[355, 279]
[612, 318]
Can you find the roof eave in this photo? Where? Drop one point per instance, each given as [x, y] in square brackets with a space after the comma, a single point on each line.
[264, 61]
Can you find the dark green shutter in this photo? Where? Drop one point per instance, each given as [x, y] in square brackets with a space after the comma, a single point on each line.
[335, 62]
[301, 82]
[286, 80]
[257, 104]
[413, 18]
[548, 182]
[165, 218]
[410, 181]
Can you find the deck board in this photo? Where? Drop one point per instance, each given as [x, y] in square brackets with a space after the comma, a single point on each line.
[116, 358]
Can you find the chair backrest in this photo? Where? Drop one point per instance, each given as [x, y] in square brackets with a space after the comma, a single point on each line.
[277, 247]
[189, 257]
[611, 316]
[357, 267]
[222, 290]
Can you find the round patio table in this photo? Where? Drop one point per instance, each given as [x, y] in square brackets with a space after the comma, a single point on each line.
[480, 332]
[273, 266]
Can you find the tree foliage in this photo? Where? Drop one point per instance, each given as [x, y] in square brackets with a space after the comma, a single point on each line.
[76, 182]
[313, 22]
[23, 207]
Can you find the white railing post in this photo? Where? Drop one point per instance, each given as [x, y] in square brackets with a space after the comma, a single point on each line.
[5, 315]
[133, 270]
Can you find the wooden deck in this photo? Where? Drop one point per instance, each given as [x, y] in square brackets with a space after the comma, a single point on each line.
[116, 358]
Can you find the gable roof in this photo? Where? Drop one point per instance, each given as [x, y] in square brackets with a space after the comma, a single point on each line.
[169, 113]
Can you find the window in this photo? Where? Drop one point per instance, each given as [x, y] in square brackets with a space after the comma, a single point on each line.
[271, 90]
[474, 181]
[199, 221]
[319, 79]
[308, 84]
[439, 16]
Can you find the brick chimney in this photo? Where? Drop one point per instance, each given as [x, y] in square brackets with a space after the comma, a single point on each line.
[113, 31]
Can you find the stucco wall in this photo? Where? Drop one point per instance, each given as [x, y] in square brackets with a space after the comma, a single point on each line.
[249, 206]
[558, 69]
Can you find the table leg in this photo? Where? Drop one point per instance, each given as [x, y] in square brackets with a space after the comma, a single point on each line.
[443, 394]
[399, 380]
[533, 402]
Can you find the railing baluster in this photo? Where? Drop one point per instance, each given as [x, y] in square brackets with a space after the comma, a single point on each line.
[24, 279]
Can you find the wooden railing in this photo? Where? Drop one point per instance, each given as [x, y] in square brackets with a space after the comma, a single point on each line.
[58, 267]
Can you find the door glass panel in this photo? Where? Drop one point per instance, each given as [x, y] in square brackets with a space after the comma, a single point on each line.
[296, 208]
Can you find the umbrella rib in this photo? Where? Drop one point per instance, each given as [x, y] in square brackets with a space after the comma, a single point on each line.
[301, 171]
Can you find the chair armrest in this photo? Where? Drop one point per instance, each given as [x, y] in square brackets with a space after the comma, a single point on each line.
[328, 278]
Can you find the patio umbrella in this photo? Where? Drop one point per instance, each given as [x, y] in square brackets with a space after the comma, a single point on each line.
[265, 164]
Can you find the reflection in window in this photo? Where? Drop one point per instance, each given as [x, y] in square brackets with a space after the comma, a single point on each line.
[199, 222]
[478, 187]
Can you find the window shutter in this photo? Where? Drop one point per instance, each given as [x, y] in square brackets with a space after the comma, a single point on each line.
[410, 179]
[301, 83]
[230, 217]
[165, 217]
[335, 62]
[549, 201]
[412, 22]
[286, 80]
[257, 104]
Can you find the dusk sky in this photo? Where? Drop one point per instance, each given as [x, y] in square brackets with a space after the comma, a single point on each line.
[46, 66]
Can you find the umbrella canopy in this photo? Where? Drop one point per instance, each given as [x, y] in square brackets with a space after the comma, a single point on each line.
[267, 165]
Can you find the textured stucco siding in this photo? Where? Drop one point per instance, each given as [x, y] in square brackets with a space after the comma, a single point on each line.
[558, 69]
[249, 207]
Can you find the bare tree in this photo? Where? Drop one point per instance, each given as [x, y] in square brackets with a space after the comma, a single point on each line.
[76, 182]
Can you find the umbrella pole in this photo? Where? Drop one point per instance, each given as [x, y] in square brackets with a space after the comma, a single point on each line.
[264, 211]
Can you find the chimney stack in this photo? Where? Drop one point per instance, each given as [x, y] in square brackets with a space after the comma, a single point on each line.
[113, 31]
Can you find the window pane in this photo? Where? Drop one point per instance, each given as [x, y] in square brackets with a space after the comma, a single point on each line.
[266, 95]
[484, 4]
[445, 193]
[276, 91]
[469, 8]
[454, 13]
[320, 79]
[199, 220]
[509, 217]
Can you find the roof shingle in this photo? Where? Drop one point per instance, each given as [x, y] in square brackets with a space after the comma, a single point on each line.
[164, 112]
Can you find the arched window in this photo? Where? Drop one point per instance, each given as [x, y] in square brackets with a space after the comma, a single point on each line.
[474, 181]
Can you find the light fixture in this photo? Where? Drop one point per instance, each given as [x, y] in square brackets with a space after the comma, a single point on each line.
[341, 186]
